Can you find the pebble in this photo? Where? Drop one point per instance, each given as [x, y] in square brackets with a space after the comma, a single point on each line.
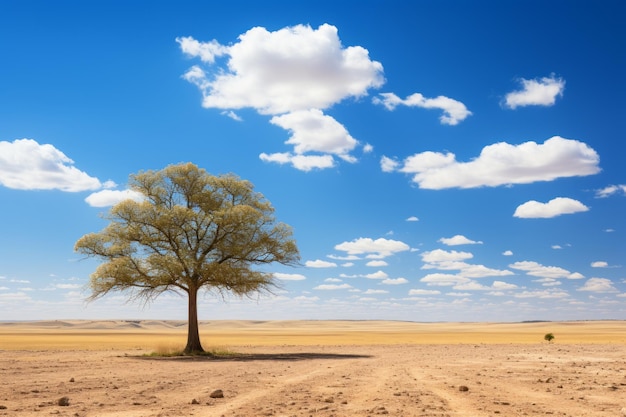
[218, 393]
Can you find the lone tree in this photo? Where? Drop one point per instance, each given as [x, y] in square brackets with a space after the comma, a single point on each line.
[191, 231]
[549, 337]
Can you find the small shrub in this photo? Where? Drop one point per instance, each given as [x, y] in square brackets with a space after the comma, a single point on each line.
[549, 337]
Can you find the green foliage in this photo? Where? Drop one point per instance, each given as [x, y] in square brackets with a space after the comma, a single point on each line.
[548, 337]
[191, 231]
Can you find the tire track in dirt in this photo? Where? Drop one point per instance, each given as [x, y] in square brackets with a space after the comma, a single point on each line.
[299, 389]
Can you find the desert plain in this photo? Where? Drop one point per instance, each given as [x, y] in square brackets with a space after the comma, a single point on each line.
[313, 368]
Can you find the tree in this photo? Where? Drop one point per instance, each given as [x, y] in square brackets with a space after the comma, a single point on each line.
[548, 337]
[192, 231]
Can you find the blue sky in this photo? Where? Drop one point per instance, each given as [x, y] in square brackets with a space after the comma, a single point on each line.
[437, 160]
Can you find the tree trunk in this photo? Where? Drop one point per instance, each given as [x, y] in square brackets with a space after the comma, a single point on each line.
[193, 335]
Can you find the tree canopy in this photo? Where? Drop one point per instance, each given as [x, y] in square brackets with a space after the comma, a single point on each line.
[191, 231]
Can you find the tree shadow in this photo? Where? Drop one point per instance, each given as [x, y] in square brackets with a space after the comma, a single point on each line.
[251, 357]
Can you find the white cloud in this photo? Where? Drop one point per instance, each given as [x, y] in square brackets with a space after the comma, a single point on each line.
[501, 164]
[555, 207]
[288, 277]
[294, 68]
[318, 263]
[68, 286]
[107, 198]
[206, 51]
[332, 280]
[497, 286]
[424, 292]
[27, 165]
[388, 165]
[293, 74]
[232, 115]
[600, 285]
[453, 260]
[13, 297]
[330, 287]
[395, 281]
[537, 270]
[501, 285]
[444, 280]
[376, 263]
[440, 255]
[313, 131]
[306, 298]
[301, 162]
[377, 275]
[375, 249]
[537, 92]
[507, 253]
[376, 292]
[412, 219]
[544, 294]
[458, 240]
[611, 190]
[453, 111]
[599, 264]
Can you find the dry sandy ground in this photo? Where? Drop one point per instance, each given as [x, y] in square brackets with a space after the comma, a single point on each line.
[315, 369]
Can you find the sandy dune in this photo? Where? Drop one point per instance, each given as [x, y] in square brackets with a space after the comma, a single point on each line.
[327, 369]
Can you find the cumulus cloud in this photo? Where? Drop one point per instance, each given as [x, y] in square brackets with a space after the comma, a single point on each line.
[475, 286]
[536, 92]
[312, 131]
[377, 275]
[293, 74]
[543, 294]
[458, 240]
[500, 164]
[107, 198]
[424, 292]
[27, 165]
[444, 280]
[599, 285]
[440, 255]
[611, 190]
[555, 207]
[318, 263]
[453, 111]
[599, 264]
[376, 292]
[288, 277]
[412, 219]
[453, 261]
[388, 164]
[300, 162]
[507, 253]
[330, 287]
[376, 263]
[395, 281]
[374, 249]
[536, 269]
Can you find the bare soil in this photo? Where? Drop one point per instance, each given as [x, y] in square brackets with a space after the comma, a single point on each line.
[442, 379]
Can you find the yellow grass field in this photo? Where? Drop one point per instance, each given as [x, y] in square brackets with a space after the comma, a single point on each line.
[154, 335]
